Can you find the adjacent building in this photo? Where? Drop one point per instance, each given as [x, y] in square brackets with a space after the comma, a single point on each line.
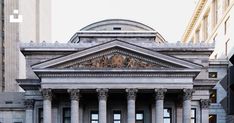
[213, 22]
[34, 26]
[118, 71]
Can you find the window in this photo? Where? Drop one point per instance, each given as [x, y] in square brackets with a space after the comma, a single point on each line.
[212, 118]
[226, 47]
[193, 115]
[66, 115]
[213, 96]
[213, 75]
[197, 35]
[94, 117]
[226, 26]
[227, 3]
[167, 115]
[40, 115]
[117, 117]
[205, 24]
[218, 10]
[116, 28]
[140, 117]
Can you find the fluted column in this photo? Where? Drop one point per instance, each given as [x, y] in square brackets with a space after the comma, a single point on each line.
[205, 110]
[187, 105]
[159, 106]
[131, 95]
[75, 97]
[29, 104]
[47, 97]
[102, 96]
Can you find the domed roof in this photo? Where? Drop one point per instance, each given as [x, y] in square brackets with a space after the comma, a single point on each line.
[117, 25]
[110, 29]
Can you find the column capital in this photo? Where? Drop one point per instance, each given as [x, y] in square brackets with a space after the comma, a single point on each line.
[74, 94]
[160, 92]
[188, 94]
[29, 103]
[205, 103]
[47, 94]
[131, 93]
[102, 93]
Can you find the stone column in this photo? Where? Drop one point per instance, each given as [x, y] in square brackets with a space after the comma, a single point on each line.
[131, 95]
[29, 104]
[75, 97]
[102, 96]
[47, 97]
[187, 105]
[159, 99]
[205, 110]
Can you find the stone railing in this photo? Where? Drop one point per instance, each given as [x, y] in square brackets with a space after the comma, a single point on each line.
[142, 44]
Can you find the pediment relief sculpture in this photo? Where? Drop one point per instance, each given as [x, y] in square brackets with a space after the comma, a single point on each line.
[115, 61]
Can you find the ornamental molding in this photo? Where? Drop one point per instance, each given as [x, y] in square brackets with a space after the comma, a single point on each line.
[123, 73]
[29, 103]
[131, 93]
[160, 93]
[188, 93]
[205, 103]
[74, 94]
[102, 93]
[47, 94]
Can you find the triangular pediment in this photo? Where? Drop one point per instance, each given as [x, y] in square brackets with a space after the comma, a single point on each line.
[116, 54]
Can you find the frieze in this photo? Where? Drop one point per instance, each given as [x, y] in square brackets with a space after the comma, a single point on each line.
[114, 58]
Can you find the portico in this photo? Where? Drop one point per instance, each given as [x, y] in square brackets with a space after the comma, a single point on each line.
[141, 80]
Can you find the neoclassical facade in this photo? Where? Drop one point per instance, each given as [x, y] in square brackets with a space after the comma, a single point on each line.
[118, 71]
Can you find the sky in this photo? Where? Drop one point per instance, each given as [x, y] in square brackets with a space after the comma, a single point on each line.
[168, 17]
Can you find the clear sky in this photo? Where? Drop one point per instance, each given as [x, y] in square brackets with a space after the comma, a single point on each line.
[168, 17]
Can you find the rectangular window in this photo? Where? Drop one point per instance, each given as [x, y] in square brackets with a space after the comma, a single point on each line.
[226, 47]
[116, 28]
[167, 115]
[139, 117]
[94, 117]
[193, 115]
[117, 117]
[213, 96]
[66, 115]
[197, 35]
[205, 24]
[212, 118]
[226, 26]
[218, 10]
[40, 115]
[213, 74]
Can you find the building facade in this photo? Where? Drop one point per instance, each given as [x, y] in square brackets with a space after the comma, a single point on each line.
[34, 26]
[117, 71]
[213, 21]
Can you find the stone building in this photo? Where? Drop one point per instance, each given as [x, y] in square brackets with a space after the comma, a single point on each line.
[117, 71]
[35, 25]
[213, 22]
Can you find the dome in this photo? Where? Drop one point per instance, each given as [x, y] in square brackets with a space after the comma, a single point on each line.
[110, 29]
[117, 25]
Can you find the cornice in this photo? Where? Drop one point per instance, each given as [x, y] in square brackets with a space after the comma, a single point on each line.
[194, 19]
